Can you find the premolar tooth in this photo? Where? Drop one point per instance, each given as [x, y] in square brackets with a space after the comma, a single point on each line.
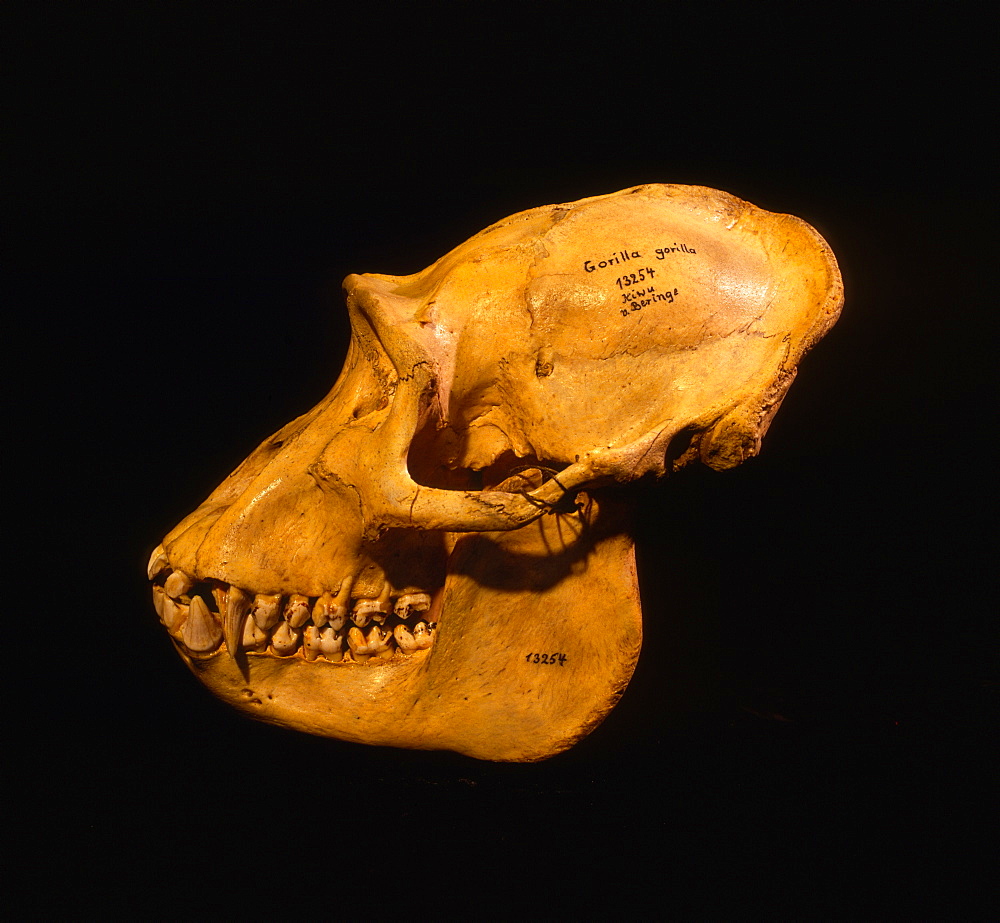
[286, 639]
[254, 637]
[328, 611]
[266, 610]
[412, 602]
[312, 643]
[235, 606]
[297, 610]
[158, 562]
[331, 643]
[177, 584]
[201, 633]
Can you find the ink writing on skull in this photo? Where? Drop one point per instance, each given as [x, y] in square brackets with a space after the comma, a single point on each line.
[636, 299]
[548, 658]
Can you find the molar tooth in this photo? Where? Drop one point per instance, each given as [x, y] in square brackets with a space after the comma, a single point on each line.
[423, 636]
[312, 643]
[328, 610]
[286, 639]
[379, 642]
[297, 610]
[235, 606]
[265, 610]
[358, 645]
[177, 584]
[158, 562]
[409, 603]
[366, 610]
[201, 633]
[331, 643]
[404, 639]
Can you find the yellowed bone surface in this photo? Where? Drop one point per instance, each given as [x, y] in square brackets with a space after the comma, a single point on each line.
[438, 554]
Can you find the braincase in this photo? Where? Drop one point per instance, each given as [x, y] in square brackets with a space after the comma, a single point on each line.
[588, 324]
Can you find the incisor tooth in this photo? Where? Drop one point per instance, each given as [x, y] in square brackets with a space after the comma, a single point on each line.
[265, 610]
[237, 607]
[174, 613]
[158, 598]
[157, 562]
[297, 610]
[177, 584]
[201, 633]
[286, 639]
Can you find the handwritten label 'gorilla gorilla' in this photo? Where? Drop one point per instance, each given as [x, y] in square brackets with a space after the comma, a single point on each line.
[620, 257]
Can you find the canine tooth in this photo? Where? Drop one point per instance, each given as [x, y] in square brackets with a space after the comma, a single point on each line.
[158, 599]
[265, 610]
[254, 637]
[235, 606]
[328, 610]
[158, 562]
[312, 643]
[177, 584]
[286, 639]
[331, 643]
[297, 610]
[412, 602]
[174, 613]
[201, 633]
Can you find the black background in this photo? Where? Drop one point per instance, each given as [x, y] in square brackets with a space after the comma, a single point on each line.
[806, 732]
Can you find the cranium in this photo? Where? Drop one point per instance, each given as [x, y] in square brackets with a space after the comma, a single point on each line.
[438, 554]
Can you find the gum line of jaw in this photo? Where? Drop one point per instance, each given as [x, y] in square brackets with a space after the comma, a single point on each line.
[204, 615]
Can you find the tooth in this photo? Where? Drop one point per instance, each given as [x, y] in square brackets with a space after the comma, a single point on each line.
[409, 603]
[358, 645]
[312, 643]
[286, 639]
[236, 607]
[177, 584]
[423, 636]
[201, 633]
[404, 639]
[380, 642]
[158, 599]
[174, 613]
[328, 610]
[297, 610]
[254, 637]
[366, 610]
[331, 642]
[157, 562]
[265, 610]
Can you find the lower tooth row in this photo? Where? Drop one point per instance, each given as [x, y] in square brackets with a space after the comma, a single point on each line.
[264, 628]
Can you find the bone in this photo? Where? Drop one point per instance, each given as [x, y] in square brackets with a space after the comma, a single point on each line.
[266, 610]
[235, 611]
[158, 562]
[201, 632]
[177, 584]
[409, 603]
[286, 639]
[297, 610]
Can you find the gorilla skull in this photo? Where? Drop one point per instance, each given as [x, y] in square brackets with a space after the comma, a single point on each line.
[438, 554]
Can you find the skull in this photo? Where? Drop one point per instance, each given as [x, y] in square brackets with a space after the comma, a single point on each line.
[438, 555]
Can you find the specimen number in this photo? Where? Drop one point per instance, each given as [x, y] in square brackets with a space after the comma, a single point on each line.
[550, 659]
